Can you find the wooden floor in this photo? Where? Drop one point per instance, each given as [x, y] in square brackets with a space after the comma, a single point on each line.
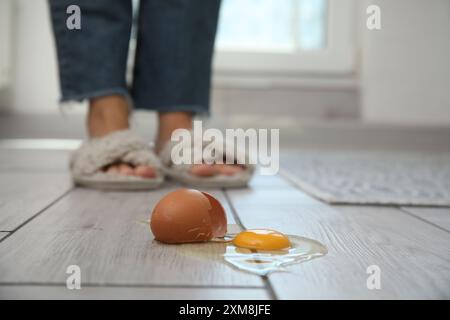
[47, 225]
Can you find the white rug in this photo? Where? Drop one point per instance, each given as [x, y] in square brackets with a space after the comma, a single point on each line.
[387, 178]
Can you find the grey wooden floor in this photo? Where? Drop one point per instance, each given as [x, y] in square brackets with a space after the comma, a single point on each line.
[46, 225]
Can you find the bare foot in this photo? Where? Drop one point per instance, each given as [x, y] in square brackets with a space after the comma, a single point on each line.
[108, 114]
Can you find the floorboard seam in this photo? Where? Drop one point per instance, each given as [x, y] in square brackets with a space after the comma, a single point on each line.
[267, 284]
[421, 219]
[36, 214]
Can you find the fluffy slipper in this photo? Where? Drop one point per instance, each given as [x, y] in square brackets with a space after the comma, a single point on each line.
[123, 146]
[181, 172]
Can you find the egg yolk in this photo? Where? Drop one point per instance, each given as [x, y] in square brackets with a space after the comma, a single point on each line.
[262, 239]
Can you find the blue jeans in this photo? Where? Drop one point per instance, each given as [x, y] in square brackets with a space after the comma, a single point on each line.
[175, 43]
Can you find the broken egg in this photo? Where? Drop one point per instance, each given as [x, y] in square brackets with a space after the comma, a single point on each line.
[188, 215]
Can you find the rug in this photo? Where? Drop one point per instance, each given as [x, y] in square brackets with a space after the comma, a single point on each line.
[356, 177]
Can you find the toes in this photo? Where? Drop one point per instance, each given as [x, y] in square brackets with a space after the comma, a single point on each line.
[112, 169]
[203, 170]
[125, 170]
[229, 169]
[145, 171]
[128, 170]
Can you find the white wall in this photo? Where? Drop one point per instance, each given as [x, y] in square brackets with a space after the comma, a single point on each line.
[406, 64]
[34, 73]
[5, 38]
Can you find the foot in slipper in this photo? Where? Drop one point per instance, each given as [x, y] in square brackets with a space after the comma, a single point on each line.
[119, 160]
[114, 157]
[205, 175]
[200, 175]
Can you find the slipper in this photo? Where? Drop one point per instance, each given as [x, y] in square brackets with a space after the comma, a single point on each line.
[123, 146]
[181, 172]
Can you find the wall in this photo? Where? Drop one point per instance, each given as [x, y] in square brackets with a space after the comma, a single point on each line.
[5, 36]
[34, 80]
[5, 51]
[406, 64]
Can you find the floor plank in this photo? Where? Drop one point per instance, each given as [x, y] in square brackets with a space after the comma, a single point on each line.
[23, 194]
[34, 160]
[269, 182]
[437, 216]
[105, 233]
[135, 293]
[277, 196]
[413, 256]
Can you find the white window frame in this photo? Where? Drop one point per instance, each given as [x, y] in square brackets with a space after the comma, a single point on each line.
[338, 58]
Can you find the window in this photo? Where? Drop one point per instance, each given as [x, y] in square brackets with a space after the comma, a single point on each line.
[272, 25]
[285, 36]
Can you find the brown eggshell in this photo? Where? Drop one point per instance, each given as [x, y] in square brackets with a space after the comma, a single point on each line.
[218, 217]
[188, 215]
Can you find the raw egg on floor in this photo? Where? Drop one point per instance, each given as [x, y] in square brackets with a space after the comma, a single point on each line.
[188, 216]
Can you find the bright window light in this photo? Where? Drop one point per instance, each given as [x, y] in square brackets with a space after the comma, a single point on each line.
[272, 25]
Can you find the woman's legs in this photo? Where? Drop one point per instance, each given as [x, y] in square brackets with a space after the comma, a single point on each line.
[92, 65]
[174, 53]
[173, 66]
[92, 60]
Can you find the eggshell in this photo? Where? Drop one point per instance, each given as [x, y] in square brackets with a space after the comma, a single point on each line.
[218, 217]
[188, 215]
